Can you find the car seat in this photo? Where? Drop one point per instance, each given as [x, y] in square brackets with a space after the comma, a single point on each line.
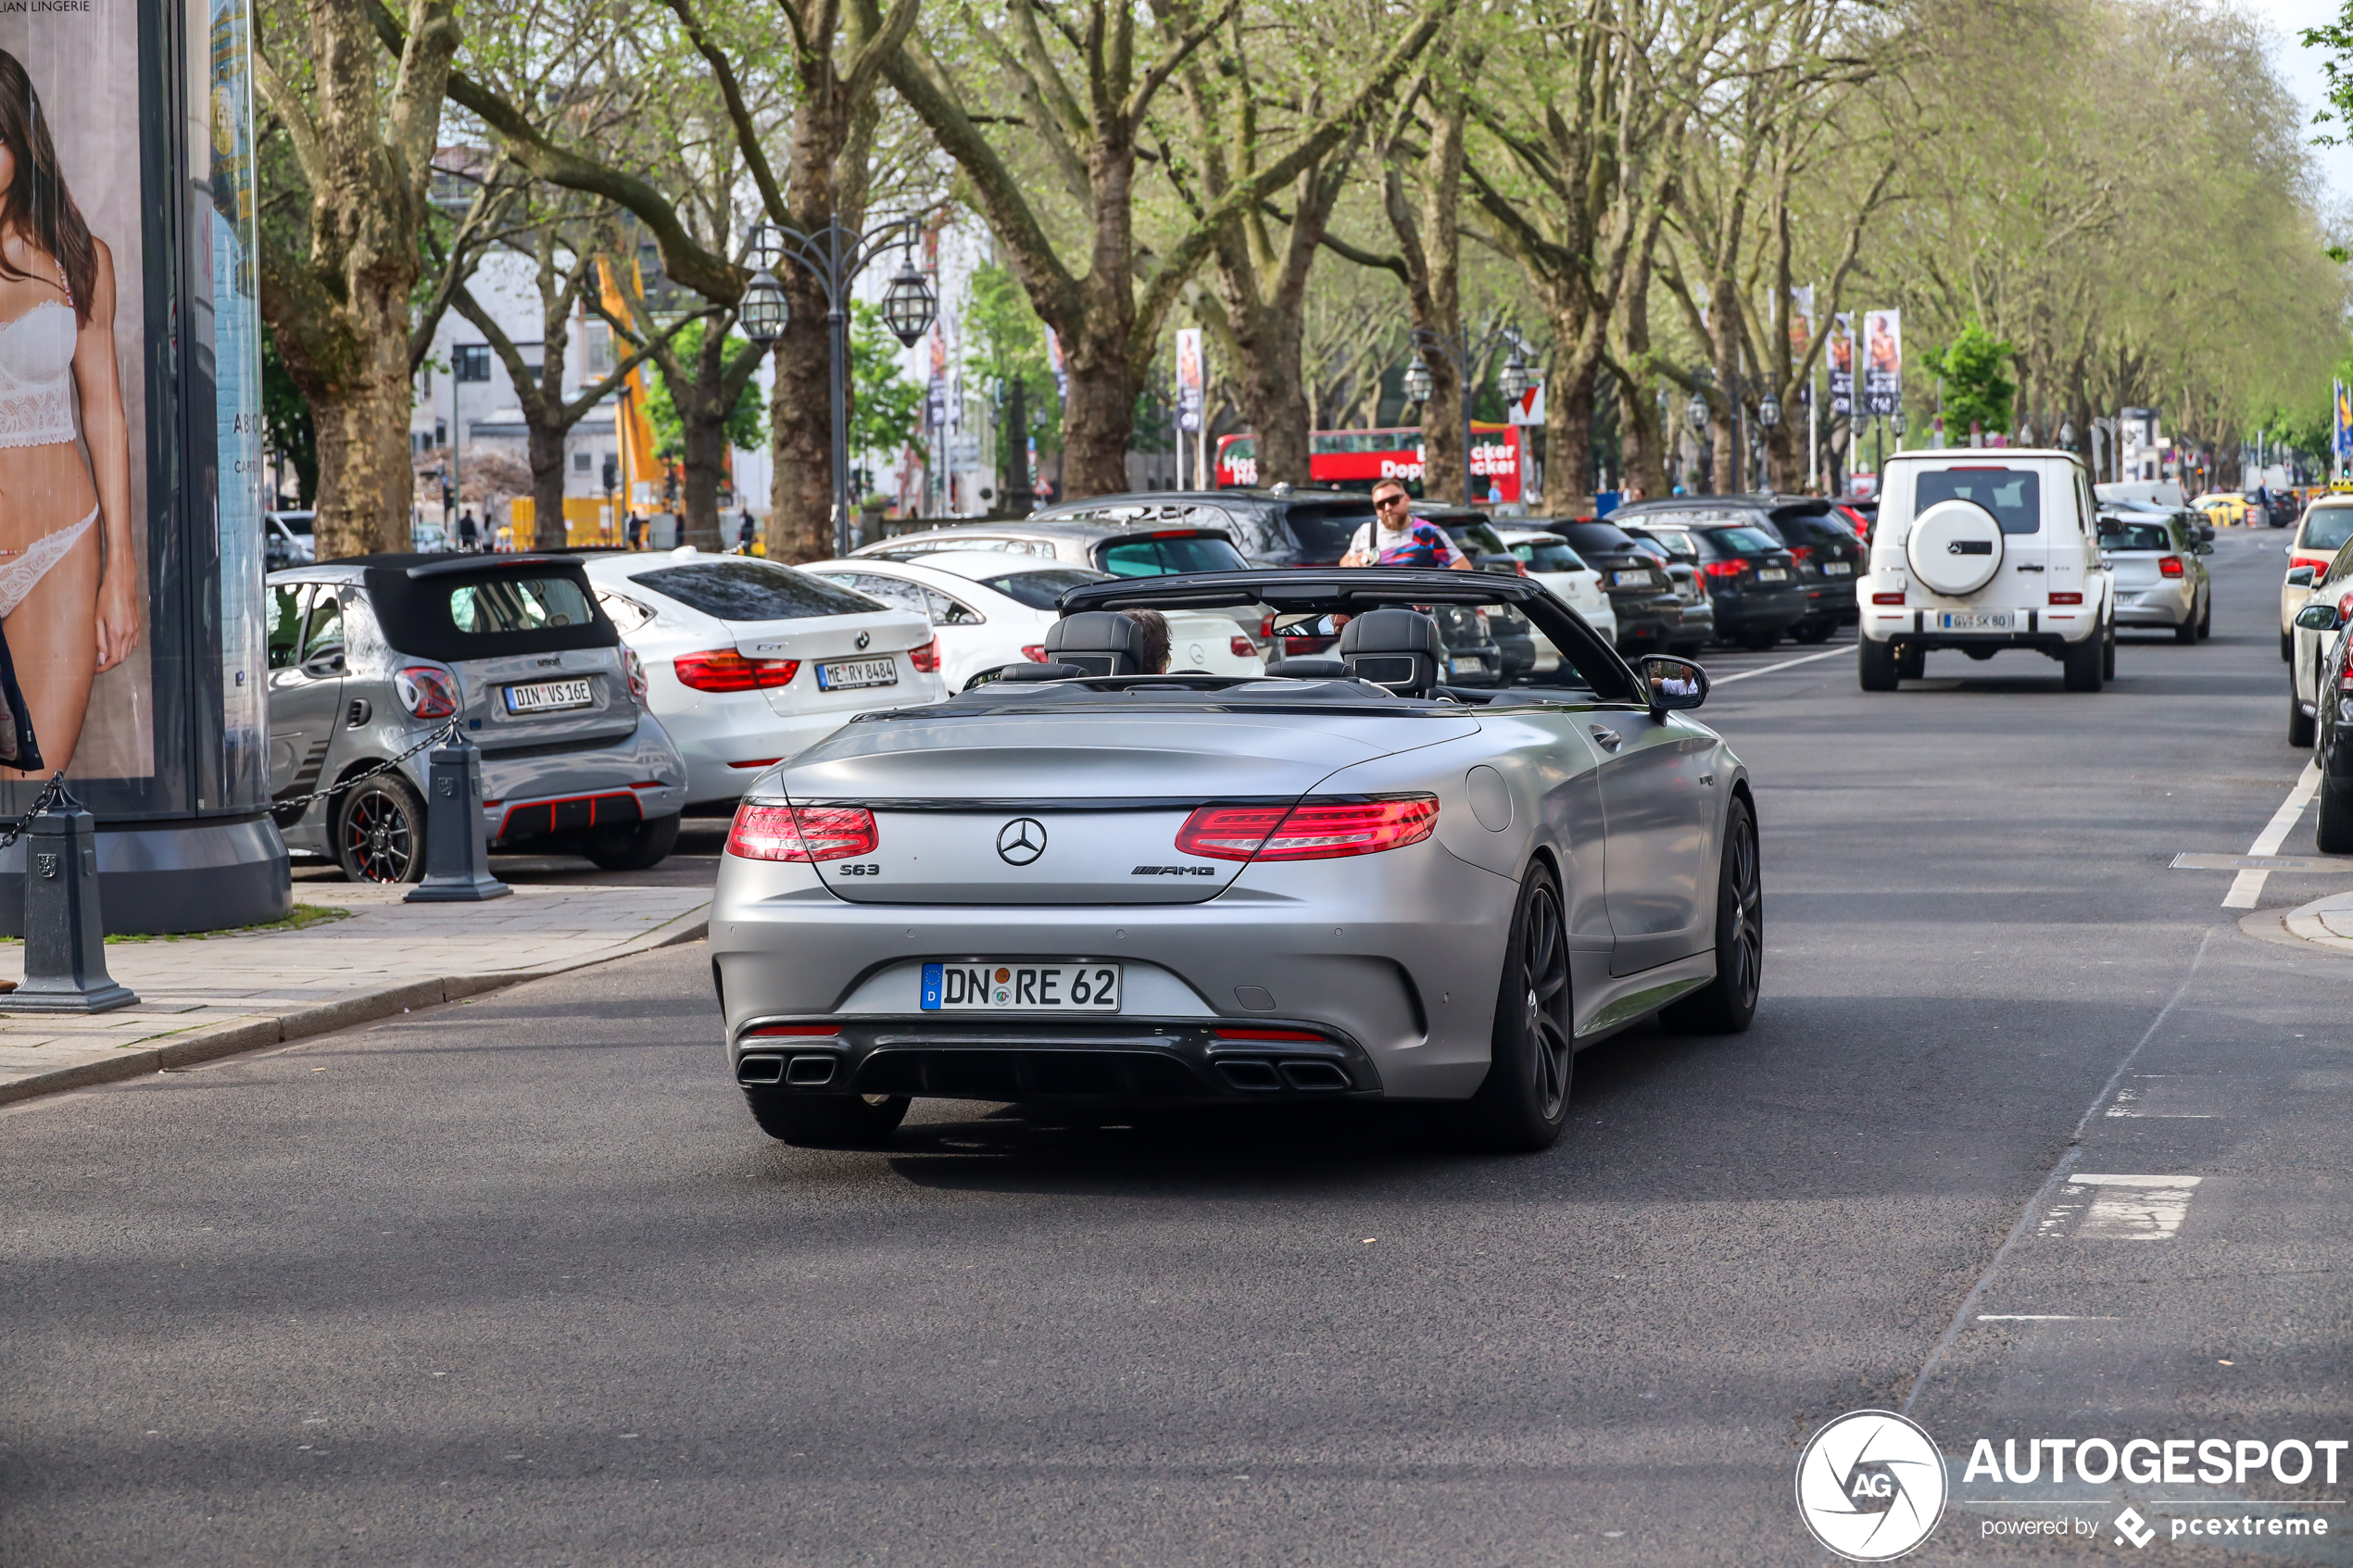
[1397, 648]
[1097, 641]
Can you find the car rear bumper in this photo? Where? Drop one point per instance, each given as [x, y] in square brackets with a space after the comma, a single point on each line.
[526, 796]
[1738, 613]
[1393, 966]
[1912, 627]
[2156, 606]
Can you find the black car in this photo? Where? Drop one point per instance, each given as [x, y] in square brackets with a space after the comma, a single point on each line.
[1752, 577]
[1826, 556]
[1650, 616]
[2332, 740]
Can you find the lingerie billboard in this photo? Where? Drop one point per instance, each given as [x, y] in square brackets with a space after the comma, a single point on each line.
[129, 419]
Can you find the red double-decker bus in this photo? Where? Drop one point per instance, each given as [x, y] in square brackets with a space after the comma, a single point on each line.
[1358, 458]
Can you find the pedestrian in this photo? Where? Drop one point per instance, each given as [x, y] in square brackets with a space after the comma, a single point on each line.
[1151, 652]
[1395, 538]
[745, 532]
[635, 530]
[467, 532]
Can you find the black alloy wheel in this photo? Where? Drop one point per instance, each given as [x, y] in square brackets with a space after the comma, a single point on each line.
[1523, 1103]
[1727, 1005]
[380, 834]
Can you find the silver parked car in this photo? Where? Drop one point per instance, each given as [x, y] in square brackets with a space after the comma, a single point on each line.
[370, 655]
[2160, 574]
[1346, 880]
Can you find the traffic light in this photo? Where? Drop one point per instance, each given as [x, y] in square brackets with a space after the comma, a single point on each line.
[612, 473]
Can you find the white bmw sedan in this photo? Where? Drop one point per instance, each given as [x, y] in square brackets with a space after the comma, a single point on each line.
[992, 609]
[747, 661]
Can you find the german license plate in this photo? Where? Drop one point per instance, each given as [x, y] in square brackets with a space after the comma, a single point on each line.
[1973, 620]
[1471, 662]
[549, 696]
[854, 672]
[1772, 574]
[1005, 985]
[1837, 568]
[1631, 579]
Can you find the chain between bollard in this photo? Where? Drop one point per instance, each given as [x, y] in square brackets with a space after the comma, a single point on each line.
[51, 792]
[446, 731]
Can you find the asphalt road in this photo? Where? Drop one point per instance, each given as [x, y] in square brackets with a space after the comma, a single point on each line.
[517, 1281]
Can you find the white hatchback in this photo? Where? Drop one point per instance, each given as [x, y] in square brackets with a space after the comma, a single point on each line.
[1549, 559]
[748, 661]
[992, 609]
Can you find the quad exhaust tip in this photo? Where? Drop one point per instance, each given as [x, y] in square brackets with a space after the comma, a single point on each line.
[1264, 1076]
[760, 1069]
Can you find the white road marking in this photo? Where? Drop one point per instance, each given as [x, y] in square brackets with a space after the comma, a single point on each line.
[2108, 1207]
[2041, 1317]
[2247, 888]
[1785, 664]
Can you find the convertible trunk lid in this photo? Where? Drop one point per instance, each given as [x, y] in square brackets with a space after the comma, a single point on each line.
[1070, 809]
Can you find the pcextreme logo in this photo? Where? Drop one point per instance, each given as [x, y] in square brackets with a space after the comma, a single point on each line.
[1870, 1486]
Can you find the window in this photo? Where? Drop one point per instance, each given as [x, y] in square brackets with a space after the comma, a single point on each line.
[1040, 589]
[894, 592]
[286, 626]
[1157, 557]
[1690, 517]
[946, 611]
[627, 614]
[580, 462]
[749, 589]
[2136, 536]
[1323, 531]
[471, 361]
[2013, 496]
[2328, 528]
[1548, 555]
[1740, 541]
[519, 603]
[598, 338]
[325, 635]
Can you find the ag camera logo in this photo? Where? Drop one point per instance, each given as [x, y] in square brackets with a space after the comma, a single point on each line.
[1870, 1486]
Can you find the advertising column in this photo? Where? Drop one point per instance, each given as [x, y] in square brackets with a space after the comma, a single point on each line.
[131, 593]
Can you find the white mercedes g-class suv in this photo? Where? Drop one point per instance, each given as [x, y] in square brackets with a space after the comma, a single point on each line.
[1981, 550]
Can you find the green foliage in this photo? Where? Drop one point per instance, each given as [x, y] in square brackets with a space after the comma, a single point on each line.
[1977, 388]
[889, 405]
[1008, 342]
[747, 426]
[285, 421]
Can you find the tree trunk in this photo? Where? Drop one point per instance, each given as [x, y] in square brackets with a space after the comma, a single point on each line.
[801, 494]
[1098, 415]
[1641, 443]
[361, 420]
[705, 435]
[545, 443]
[1274, 397]
[1568, 442]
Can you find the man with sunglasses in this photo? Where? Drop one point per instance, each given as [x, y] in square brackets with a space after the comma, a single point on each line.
[1395, 538]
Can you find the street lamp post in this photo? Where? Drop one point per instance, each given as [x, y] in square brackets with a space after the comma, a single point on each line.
[1456, 351]
[835, 256]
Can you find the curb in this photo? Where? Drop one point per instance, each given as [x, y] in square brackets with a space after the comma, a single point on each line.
[311, 1021]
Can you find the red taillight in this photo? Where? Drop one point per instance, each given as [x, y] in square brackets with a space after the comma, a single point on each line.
[1895, 598]
[927, 657]
[2318, 564]
[1034, 652]
[802, 833]
[724, 670]
[1801, 552]
[425, 691]
[1242, 647]
[1302, 1036]
[1724, 568]
[1267, 628]
[2170, 565]
[1320, 830]
[2067, 598]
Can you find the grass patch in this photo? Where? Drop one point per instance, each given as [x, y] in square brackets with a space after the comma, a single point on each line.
[303, 917]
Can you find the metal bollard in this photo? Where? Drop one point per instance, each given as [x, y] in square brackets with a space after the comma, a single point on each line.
[457, 845]
[65, 948]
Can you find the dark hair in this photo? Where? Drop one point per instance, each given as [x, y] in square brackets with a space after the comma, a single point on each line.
[1380, 484]
[36, 201]
[1152, 643]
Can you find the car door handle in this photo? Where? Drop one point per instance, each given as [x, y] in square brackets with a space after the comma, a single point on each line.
[1608, 739]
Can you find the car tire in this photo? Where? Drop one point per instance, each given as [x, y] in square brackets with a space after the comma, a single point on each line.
[2333, 832]
[637, 848]
[2205, 618]
[379, 831]
[2107, 654]
[2301, 724]
[2287, 647]
[1912, 664]
[1810, 632]
[1875, 665]
[2187, 631]
[1522, 1104]
[1728, 1004]
[2081, 664]
[1761, 642]
[825, 1120]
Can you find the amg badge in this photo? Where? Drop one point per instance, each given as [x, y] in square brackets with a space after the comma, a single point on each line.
[1174, 870]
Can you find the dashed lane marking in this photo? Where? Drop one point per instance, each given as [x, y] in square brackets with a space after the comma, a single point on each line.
[2109, 1208]
[2247, 888]
[1785, 664]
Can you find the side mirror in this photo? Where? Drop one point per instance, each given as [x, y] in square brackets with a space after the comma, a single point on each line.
[2301, 577]
[2318, 618]
[2204, 549]
[1670, 682]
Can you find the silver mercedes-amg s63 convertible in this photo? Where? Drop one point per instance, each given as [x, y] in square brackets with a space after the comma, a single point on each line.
[1345, 879]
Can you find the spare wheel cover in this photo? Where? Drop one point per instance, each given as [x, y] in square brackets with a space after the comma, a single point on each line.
[1955, 548]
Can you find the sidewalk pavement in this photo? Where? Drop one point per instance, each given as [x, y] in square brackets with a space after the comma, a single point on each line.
[205, 996]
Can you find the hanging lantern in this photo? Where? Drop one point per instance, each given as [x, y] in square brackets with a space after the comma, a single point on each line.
[1418, 380]
[909, 306]
[764, 312]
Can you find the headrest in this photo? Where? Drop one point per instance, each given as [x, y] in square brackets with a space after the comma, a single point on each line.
[1310, 669]
[1397, 648]
[1098, 642]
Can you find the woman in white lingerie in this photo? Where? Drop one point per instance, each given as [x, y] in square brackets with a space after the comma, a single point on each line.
[69, 578]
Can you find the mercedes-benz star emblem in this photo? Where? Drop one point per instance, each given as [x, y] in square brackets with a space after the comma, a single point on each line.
[1021, 841]
[863, 638]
